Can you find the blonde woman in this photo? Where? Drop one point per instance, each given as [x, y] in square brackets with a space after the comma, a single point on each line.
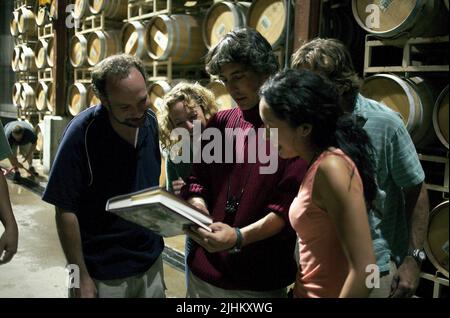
[183, 105]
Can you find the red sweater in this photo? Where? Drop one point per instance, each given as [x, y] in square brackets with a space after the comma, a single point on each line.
[264, 265]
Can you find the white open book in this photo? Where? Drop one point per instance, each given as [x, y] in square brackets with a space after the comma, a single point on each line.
[158, 210]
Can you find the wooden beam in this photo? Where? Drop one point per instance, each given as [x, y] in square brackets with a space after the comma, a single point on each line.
[60, 65]
[306, 23]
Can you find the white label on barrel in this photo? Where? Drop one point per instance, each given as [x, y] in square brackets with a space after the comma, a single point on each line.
[265, 22]
[93, 52]
[78, 57]
[445, 248]
[220, 31]
[131, 42]
[373, 19]
[161, 39]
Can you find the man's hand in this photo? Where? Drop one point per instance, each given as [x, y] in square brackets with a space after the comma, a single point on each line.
[87, 288]
[406, 279]
[199, 203]
[8, 243]
[15, 163]
[222, 238]
[177, 185]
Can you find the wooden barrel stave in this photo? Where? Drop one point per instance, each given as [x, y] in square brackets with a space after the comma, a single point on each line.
[77, 98]
[440, 118]
[269, 17]
[436, 244]
[101, 44]
[222, 18]
[405, 18]
[412, 98]
[78, 50]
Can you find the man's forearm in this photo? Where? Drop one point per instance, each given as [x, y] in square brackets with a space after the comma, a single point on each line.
[70, 238]
[266, 227]
[6, 213]
[13, 160]
[417, 209]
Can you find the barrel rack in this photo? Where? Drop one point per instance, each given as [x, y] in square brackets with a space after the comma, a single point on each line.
[94, 23]
[407, 45]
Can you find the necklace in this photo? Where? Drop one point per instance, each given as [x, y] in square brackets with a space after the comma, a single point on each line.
[233, 201]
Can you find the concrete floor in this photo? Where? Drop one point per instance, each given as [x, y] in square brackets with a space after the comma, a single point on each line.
[38, 268]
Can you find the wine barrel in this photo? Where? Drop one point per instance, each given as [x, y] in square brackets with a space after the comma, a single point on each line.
[54, 9]
[115, 10]
[16, 92]
[81, 9]
[39, 131]
[223, 98]
[156, 92]
[14, 24]
[16, 58]
[77, 98]
[411, 18]
[412, 98]
[436, 244]
[440, 117]
[43, 95]
[78, 50]
[50, 52]
[27, 96]
[102, 44]
[270, 18]
[133, 39]
[27, 22]
[42, 17]
[177, 37]
[222, 18]
[40, 53]
[91, 98]
[27, 61]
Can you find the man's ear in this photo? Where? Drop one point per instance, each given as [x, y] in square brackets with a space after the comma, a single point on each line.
[104, 102]
[304, 130]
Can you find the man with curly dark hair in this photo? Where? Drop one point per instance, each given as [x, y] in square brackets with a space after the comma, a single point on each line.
[249, 252]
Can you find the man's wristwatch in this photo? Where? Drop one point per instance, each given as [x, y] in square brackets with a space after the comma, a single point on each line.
[418, 254]
[237, 247]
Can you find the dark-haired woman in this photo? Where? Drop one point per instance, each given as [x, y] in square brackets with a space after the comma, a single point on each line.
[329, 214]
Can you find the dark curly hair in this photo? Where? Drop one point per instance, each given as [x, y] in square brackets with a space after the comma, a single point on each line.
[244, 46]
[301, 96]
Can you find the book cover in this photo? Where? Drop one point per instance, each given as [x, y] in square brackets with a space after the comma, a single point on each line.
[158, 210]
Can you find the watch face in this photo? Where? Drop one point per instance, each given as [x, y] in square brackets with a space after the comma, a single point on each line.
[422, 255]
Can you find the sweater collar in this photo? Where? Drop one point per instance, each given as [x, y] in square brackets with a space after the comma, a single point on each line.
[252, 116]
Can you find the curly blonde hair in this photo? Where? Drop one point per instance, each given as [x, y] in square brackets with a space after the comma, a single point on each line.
[192, 94]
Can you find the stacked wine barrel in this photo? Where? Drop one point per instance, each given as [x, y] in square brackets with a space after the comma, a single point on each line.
[420, 96]
[24, 29]
[97, 31]
[171, 37]
[181, 37]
